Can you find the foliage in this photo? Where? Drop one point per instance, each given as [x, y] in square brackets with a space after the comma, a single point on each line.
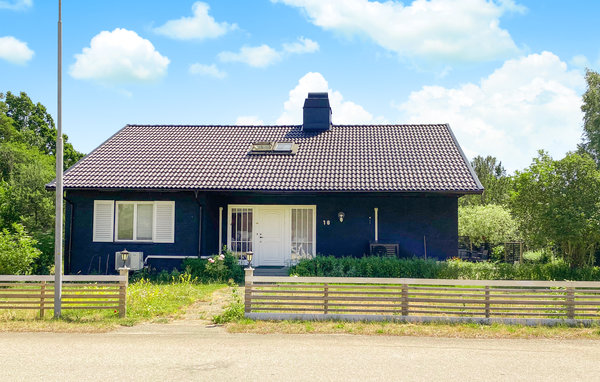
[17, 251]
[35, 127]
[486, 224]
[493, 178]
[329, 266]
[27, 164]
[233, 312]
[591, 115]
[219, 269]
[556, 202]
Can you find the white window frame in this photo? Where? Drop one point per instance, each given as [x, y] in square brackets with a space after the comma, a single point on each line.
[135, 204]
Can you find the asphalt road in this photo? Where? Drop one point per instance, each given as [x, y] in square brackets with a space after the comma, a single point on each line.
[188, 351]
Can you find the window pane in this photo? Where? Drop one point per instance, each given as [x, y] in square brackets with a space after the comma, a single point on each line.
[125, 215]
[144, 221]
[302, 233]
[241, 230]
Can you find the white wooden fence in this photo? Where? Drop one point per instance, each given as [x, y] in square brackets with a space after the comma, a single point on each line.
[408, 299]
[78, 292]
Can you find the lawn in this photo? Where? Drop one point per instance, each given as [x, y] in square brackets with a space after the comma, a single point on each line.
[146, 302]
[409, 329]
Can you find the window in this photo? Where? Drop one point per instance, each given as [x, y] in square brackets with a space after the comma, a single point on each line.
[241, 230]
[135, 221]
[302, 233]
[152, 221]
[283, 146]
[262, 148]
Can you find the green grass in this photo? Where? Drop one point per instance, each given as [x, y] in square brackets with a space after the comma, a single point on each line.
[558, 332]
[146, 301]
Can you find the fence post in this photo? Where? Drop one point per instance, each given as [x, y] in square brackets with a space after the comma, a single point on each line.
[487, 301]
[570, 301]
[123, 292]
[249, 274]
[325, 298]
[42, 298]
[405, 299]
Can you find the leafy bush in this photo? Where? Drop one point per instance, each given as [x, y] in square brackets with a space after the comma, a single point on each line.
[486, 224]
[329, 266]
[216, 269]
[17, 251]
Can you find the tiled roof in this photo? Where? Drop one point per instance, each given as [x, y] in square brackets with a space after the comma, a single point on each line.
[421, 158]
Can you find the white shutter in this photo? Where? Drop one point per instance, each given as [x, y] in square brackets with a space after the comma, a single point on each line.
[104, 213]
[164, 222]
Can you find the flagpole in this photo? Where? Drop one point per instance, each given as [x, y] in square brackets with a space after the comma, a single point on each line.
[58, 228]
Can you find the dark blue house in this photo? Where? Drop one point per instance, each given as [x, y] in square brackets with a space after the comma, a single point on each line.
[283, 192]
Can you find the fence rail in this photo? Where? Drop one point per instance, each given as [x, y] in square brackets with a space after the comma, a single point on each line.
[419, 299]
[78, 292]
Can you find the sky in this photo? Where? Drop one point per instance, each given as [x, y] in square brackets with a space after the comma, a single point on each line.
[507, 75]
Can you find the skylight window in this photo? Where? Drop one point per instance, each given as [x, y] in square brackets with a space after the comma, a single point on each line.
[273, 148]
[283, 146]
[262, 147]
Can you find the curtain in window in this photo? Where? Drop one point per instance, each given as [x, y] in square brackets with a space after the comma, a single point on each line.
[241, 230]
[302, 234]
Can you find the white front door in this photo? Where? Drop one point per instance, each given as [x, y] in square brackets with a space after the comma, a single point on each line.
[270, 234]
[278, 235]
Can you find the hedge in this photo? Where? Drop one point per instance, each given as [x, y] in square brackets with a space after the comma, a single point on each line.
[329, 266]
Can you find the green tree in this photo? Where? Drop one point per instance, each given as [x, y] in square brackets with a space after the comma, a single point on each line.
[17, 251]
[486, 224]
[36, 127]
[557, 203]
[591, 115]
[492, 176]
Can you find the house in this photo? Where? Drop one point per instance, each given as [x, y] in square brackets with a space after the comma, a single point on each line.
[282, 192]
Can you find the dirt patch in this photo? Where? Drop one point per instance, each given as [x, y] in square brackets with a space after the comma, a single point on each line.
[204, 311]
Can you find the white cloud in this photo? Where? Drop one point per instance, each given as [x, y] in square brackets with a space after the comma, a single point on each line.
[343, 112]
[256, 56]
[528, 104]
[263, 55]
[248, 120]
[119, 56]
[198, 27]
[15, 51]
[466, 30]
[16, 5]
[207, 70]
[303, 45]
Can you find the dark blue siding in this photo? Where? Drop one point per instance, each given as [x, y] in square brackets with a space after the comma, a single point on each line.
[403, 218]
[85, 256]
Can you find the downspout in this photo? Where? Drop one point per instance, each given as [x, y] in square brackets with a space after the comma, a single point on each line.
[220, 230]
[68, 254]
[199, 224]
[376, 224]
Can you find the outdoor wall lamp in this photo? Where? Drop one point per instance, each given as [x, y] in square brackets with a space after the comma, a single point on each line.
[124, 257]
[341, 216]
[249, 258]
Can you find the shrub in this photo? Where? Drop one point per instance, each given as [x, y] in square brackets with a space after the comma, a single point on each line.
[329, 266]
[220, 268]
[217, 269]
[17, 251]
